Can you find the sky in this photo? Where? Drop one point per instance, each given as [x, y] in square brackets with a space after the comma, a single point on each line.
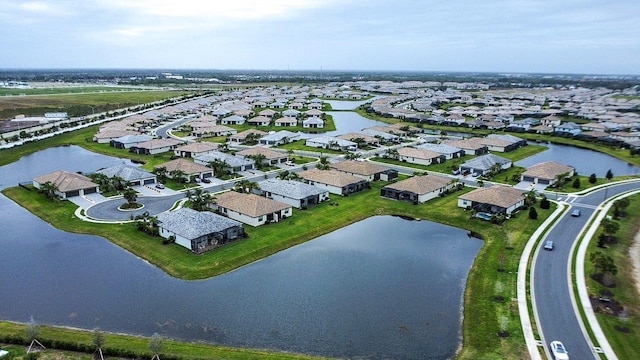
[516, 36]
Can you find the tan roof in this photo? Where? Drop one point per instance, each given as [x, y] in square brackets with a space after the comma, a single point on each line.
[157, 143]
[189, 167]
[503, 196]
[268, 153]
[243, 134]
[113, 133]
[198, 147]
[249, 204]
[365, 168]
[547, 170]
[353, 135]
[66, 181]
[490, 141]
[418, 153]
[330, 177]
[421, 184]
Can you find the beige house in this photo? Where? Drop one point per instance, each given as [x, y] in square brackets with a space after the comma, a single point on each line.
[547, 173]
[417, 189]
[366, 170]
[493, 200]
[251, 209]
[336, 182]
[68, 184]
[420, 156]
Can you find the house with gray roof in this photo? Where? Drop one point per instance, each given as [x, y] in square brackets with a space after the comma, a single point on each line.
[234, 163]
[493, 200]
[279, 138]
[251, 209]
[482, 165]
[469, 146]
[196, 148]
[313, 123]
[420, 156]
[449, 152]
[233, 120]
[294, 193]
[331, 142]
[417, 189]
[568, 129]
[127, 141]
[198, 231]
[131, 174]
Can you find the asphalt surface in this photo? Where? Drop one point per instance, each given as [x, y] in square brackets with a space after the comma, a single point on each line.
[552, 287]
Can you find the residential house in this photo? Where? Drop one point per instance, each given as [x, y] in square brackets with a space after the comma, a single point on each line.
[291, 113]
[251, 209]
[331, 142]
[105, 137]
[336, 182]
[196, 148]
[131, 174]
[313, 123]
[286, 121]
[469, 146]
[268, 113]
[313, 113]
[233, 120]
[547, 173]
[417, 189]
[68, 184]
[366, 170]
[483, 165]
[420, 156]
[295, 193]
[493, 200]
[240, 137]
[449, 152]
[155, 146]
[260, 120]
[127, 141]
[279, 138]
[568, 129]
[234, 163]
[188, 168]
[198, 231]
[368, 140]
[271, 157]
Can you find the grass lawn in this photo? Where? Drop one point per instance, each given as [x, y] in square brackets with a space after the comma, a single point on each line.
[135, 346]
[623, 332]
[490, 287]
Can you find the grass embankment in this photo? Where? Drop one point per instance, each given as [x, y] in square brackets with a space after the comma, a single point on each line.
[623, 332]
[80, 104]
[131, 345]
[491, 285]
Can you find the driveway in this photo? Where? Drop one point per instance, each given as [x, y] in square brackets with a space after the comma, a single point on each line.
[108, 210]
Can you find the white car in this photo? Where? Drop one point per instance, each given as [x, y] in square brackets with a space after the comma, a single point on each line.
[558, 350]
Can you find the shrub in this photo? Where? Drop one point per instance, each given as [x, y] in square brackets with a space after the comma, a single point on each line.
[533, 214]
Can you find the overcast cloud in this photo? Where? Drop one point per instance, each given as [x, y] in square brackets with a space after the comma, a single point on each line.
[561, 36]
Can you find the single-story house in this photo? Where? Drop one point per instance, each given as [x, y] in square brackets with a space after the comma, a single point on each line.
[196, 148]
[420, 156]
[233, 120]
[516, 141]
[366, 170]
[493, 144]
[213, 130]
[449, 152]
[291, 113]
[568, 128]
[68, 183]
[131, 174]
[198, 231]
[417, 189]
[268, 113]
[241, 136]
[251, 209]
[271, 157]
[547, 173]
[334, 181]
[369, 140]
[382, 136]
[234, 163]
[105, 137]
[494, 200]
[189, 168]
[286, 121]
[127, 141]
[484, 164]
[314, 113]
[313, 123]
[469, 146]
[259, 121]
[155, 146]
[279, 138]
[331, 142]
[294, 193]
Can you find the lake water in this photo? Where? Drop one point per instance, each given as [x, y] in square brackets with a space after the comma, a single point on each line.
[385, 287]
[585, 161]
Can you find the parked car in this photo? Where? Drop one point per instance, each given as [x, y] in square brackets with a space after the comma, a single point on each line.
[548, 245]
[558, 351]
[206, 180]
[289, 163]
[575, 212]
[159, 186]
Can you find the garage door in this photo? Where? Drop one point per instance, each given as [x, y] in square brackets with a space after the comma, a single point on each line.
[90, 191]
[149, 181]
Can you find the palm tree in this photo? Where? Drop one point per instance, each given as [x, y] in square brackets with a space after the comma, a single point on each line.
[178, 175]
[49, 189]
[259, 160]
[200, 200]
[161, 173]
[324, 163]
[353, 156]
[359, 141]
[156, 345]
[219, 167]
[131, 196]
[245, 186]
[332, 144]
[392, 154]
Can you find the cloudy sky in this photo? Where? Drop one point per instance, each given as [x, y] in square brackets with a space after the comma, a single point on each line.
[556, 36]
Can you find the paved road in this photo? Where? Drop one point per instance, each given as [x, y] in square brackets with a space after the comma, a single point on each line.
[552, 287]
[108, 210]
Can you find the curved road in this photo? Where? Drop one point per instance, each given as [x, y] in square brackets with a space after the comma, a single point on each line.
[551, 283]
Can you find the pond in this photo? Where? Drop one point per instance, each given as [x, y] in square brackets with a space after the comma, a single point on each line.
[585, 161]
[384, 287]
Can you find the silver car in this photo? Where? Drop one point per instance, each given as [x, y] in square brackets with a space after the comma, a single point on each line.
[558, 350]
[548, 245]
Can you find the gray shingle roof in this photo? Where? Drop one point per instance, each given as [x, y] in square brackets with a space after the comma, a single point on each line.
[192, 224]
[290, 188]
[485, 162]
[126, 172]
